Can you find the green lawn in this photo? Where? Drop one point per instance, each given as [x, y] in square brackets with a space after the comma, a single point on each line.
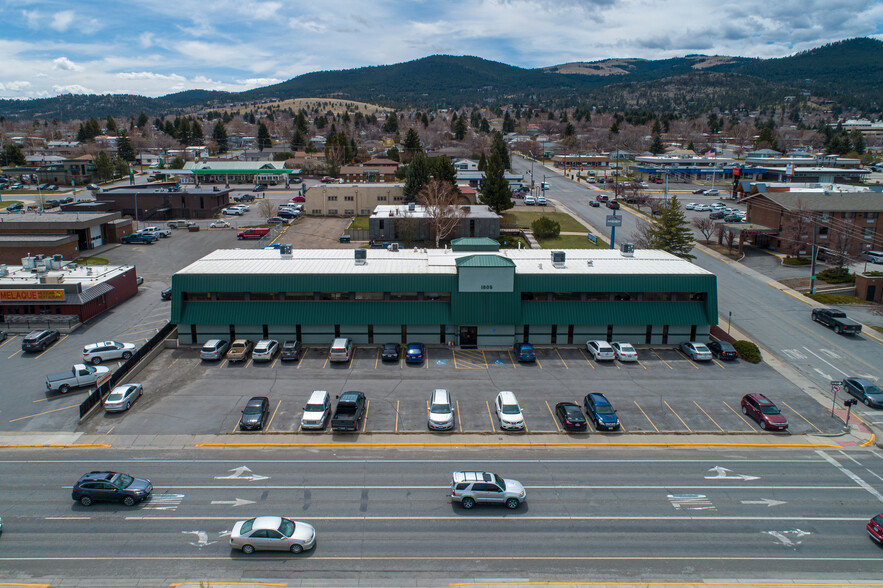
[360, 222]
[523, 218]
[6, 203]
[836, 299]
[572, 242]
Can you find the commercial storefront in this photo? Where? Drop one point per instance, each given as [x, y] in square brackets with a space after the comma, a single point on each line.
[460, 297]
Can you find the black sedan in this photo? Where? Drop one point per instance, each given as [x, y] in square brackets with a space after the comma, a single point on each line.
[613, 204]
[255, 414]
[594, 203]
[865, 390]
[723, 350]
[571, 416]
[390, 352]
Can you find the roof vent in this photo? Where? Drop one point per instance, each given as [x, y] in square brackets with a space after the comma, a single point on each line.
[361, 256]
[558, 258]
[285, 249]
[3, 269]
[590, 263]
[412, 207]
[627, 249]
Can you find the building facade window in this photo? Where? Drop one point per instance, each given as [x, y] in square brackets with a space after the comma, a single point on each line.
[332, 199]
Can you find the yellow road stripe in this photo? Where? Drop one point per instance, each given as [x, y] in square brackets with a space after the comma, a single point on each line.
[8, 340]
[249, 362]
[223, 363]
[224, 583]
[538, 363]
[660, 359]
[397, 416]
[377, 358]
[303, 354]
[272, 365]
[709, 416]
[719, 364]
[677, 415]
[21, 584]
[273, 417]
[459, 423]
[734, 583]
[736, 412]
[349, 364]
[51, 346]
[803, 417]
[561, 358]
[490, 416]
[641, 364]
[600, 443]
[554, 420]
[586, 357]
[645, 416]
[14, 354]
[44, 412]
[806, 301]
[365, 418]
[512, 359]
[678, 351]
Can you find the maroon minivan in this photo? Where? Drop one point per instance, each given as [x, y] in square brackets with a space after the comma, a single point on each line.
[762, 409]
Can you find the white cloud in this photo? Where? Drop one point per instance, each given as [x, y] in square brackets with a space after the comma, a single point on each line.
[307, 24]
[66, 64]
[145, 39]
[18, 85]
[61, 21]
[72, 89]
[148, 75]
[258, 82]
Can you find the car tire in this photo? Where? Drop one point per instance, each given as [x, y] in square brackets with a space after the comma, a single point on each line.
[247, 549]
[296, 548]
[867, 402]
[512, 503]
[837, 329]
[129, 501]
[128, 405]
[96, 360]
[64, 388]
[86, 501]
[763, 425]
[744, 410]
[127, 355]
[467, 502]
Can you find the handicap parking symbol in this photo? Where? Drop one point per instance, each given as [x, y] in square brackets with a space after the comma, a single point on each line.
[441, 362]
[499, 362]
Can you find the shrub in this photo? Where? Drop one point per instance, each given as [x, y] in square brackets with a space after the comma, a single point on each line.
[836, 299]
[796, 261]
[748, 351]
[510, 242]
[546, 228]
[836, 275]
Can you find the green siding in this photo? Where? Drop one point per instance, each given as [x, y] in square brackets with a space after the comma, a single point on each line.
[483, 308]
[315, 313]
[616, 313]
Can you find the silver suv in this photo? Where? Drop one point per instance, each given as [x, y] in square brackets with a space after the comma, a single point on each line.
[469, 488]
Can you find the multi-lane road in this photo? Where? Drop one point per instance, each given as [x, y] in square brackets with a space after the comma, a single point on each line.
[383, 517]
[774, 319]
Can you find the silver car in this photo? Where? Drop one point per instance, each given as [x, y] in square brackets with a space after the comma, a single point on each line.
[122, 397]
[696, 351]
[272, 534]
[441, 411]
[265, 350]
[470, 488]
[97, 352]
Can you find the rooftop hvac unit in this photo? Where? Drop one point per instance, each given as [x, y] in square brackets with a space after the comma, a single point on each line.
[40, 257]
[3, 269]
[29, 262]
[627, 249]
[361, 256]
[285, 249]
[393, 247]
[58, 257]
[412, 207]
[558, 258]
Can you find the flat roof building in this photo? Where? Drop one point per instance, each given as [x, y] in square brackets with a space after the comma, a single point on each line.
[63, 233]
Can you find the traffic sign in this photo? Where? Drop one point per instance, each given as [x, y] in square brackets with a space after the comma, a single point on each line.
[614, 221]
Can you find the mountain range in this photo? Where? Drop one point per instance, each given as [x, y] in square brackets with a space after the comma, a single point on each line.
[847, 74]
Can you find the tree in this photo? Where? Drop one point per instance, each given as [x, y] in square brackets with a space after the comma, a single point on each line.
[264, 141]
[393, 153]
[300, 123]
[13, 155]
[482, 162]
[495, 191]
[671, 231]
[441, 202]
[197, 136]
[177, 163]
[120, 168]
[705, 226]
[219, 135]
[267, 207]
[411, 144]
[460, 128]
[508, 123]
[392, 123]
[545, 228]
[796, 229]
[124, 147]
[657, 148]
[498, 145]
[111, 125]
[416, 177]
[442, 168]
[103, 166]
[142, 120]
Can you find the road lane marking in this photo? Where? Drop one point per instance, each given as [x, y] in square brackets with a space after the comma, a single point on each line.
[434, 460]
[827, 362]
[272, 365]
[44, 412]
[645, 416]
[678, 351]
[512, 360]
[490, 416]
[864, 485]
[677, 415]
[709, 416]
[14, 354]
[377, 358]
[223, 363]
[641, 364]
[459, 423]
[397, 416]
[586, 357]
[365, 418]
[248, 363]
[719, 364]
[803, 417]
[662, 360]
[302, 355]
[706, 487]
[554, 420]
[272, 417]
[736, 412]
[460, 518]
[226, 583]
[8, 340]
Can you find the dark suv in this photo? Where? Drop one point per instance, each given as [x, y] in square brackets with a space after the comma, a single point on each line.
[111, 487]
[291, 350]
[39, 340]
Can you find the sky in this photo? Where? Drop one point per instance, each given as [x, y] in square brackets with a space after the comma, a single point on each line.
[158, 47]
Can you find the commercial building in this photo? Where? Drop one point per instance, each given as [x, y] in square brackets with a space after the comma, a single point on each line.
[58, 233]
[470, 295]
[225, 171]
[370, 172]
[416, 223]
[52, 293]
[160, 201]
[361, 199]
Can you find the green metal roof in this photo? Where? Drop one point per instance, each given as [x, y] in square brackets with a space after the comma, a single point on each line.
[484, 261]
[475, 244]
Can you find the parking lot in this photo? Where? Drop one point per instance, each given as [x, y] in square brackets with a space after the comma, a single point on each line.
[663, 392]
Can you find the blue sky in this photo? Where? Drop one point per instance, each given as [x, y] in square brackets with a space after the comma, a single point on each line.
[156, 47]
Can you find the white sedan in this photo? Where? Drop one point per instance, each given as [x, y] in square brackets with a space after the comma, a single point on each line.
[702, 207]
[219, 224]
[272, 534]
[122, 397]
[690, 206]
[624, 351]
[696, 351]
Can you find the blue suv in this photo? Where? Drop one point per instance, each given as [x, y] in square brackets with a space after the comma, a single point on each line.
[524, 352]
[599, 409]
[415, 353]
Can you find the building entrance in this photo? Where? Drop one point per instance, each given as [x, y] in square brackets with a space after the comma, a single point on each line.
[468, 337]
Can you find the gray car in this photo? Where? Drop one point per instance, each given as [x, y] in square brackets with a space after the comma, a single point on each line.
[272, 534]
[471, 488]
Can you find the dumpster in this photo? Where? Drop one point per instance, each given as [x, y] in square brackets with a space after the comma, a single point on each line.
[344, 238]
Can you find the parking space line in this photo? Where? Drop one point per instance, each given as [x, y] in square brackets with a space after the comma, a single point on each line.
[248, 363]
[554, 420]
[301, 358]
[365, 420]
[720, 365]
[377, 358]
[324, 365]
[459, 422]
[30, 416]
[662, 360]
[803, 417]
[426, 357]
[678, 351]
[538, 362]
[586, 357]
[273, 417]
[512, 359]
[223, 363]
[8, 340]
[349, 364]
[397, 416]
[469, 360]
[677, 415]
[235, 427]
[641, 364]
[709, 416]
[14, 354]
[490, 416]
[645, 416]
[561, 358]
[736, 412]
[48, 348]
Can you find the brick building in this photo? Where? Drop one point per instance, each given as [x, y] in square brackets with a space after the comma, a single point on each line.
[58, 233]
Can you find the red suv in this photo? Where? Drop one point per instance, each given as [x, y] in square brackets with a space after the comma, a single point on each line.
[762, 409]
[875, 528]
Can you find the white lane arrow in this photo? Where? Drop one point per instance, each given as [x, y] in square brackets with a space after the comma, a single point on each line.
[722, 473]
[201, 537]
[766, 501]
[823, 374]
[237, 502]
[782, 536]
[242, 473]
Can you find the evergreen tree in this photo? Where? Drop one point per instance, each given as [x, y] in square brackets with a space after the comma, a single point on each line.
[857, 140]
[298, 141]
[691, 147]
[197, 137]
[411, 144]
[177, 163]
[714, 124]
[460, 128]
[111, 125]
[264, 141]
[321, 122]
[124, 148]
[614, 128]
[103, 166]
[495, 191]
[442, 168]
[670, 231]
[485, 126]
[475, 119]
[393, 153]
[425, 120]
[498, 145]
[569, 130]
[482, 162]
[13, 155]
[657, 148]
[657, 128]
[81, 134]
[508, 123]
[142, 120]
[219, 136]
[300, 123]
[392, 123]
[417, 176]
[120, 168]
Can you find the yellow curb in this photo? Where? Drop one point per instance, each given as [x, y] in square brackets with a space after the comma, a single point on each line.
[538, 444]
[807, 301]
[221, 583]
[564, 583]
[54, 446]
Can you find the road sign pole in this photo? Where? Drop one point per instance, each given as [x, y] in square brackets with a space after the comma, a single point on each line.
[835, 388]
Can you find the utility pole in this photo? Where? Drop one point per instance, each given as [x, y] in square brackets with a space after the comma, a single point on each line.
[813, 252]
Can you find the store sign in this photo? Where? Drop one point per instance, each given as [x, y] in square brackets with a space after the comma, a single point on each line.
[31, 295]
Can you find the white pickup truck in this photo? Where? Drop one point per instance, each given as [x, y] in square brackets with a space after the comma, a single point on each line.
[76, 377]
[159, 232]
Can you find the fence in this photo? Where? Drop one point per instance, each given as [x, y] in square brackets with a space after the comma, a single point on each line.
[29, 322]
[97, 396]
[357, 234]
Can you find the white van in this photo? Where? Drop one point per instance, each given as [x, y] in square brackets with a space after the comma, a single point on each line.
[341, 350]
[874, 256]
[316, 411]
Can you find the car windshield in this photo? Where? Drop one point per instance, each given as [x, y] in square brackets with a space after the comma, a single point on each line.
[246, 526]
[500, 482]
[873, 390]
[252, 409]
[511, 409]
[125, 480]
[769, 409]
[287, 527]
[115, 396]
[603, 409]
[626, 349]
[413, 351]
[314, 408]
[440, 409]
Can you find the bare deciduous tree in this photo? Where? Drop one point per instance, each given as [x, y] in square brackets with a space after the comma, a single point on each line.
[797, 230]
[705, 226]
[442, 210]
[267, 208]
[641, 237]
